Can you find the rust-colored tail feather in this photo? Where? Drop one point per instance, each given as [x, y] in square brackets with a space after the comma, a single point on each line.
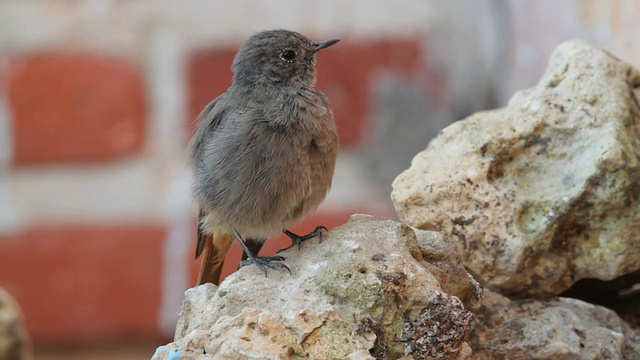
[213, 254]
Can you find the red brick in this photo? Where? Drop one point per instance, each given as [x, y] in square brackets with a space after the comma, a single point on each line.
[85, 283]
[328, 219]
[345, 73]
[75, 107]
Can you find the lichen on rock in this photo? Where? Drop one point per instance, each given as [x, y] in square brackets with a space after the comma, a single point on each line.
[439, 331]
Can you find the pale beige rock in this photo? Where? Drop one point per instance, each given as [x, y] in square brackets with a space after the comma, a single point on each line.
[545, 191]
[371, 289]
[559, 329]
[14, 341]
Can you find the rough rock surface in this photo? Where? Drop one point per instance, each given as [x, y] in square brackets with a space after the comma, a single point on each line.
[545, 191]
[559, 329]
[371, 289]
[14, 342]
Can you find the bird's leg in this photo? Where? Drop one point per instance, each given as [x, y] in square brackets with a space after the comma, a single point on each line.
[298, 239]
[254, 246]
[262, 262]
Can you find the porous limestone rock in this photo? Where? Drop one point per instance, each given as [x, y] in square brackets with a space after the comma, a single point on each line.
[559, 329]
[370, 290]
[14, 342]
[545, 191]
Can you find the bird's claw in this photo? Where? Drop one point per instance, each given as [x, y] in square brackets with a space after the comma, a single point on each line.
[264, 262]
[298, 239]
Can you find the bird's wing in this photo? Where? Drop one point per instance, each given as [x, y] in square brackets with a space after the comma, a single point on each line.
[213, 244]
[212, 247]
[208, 121]
[201, 240]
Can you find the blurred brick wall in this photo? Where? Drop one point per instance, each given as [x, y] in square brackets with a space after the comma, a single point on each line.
[97, 100]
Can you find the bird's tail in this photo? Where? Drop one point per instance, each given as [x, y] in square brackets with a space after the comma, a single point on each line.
[214, 248]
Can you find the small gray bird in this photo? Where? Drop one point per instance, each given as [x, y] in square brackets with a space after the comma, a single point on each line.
[264, 152]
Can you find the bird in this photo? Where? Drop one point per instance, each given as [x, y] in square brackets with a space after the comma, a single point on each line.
[264, 152]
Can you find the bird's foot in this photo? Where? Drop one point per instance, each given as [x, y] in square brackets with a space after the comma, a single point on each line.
[264, 262]
[298, 239]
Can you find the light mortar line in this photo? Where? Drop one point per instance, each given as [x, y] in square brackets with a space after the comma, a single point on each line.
[165, 64]
[8, 220]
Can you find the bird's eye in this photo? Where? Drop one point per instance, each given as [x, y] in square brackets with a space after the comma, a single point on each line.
[288, 55]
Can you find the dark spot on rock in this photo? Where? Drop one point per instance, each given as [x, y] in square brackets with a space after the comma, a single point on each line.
[543, 142]
[397, 279]
[462, 221]
[496, 170]
[461, 237]
[483, 149]
[565, 232]
[495, 240]
[555, 81]
[379, 257]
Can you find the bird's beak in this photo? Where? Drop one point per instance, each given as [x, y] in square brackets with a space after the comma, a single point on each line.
[317, 46]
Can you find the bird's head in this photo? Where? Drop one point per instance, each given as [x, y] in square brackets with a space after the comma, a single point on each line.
[277, 57]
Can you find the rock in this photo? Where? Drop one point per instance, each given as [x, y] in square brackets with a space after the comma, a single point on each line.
[621, 295]
[371, 289]
[545, 191]
[14, 342]
[559, 329]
